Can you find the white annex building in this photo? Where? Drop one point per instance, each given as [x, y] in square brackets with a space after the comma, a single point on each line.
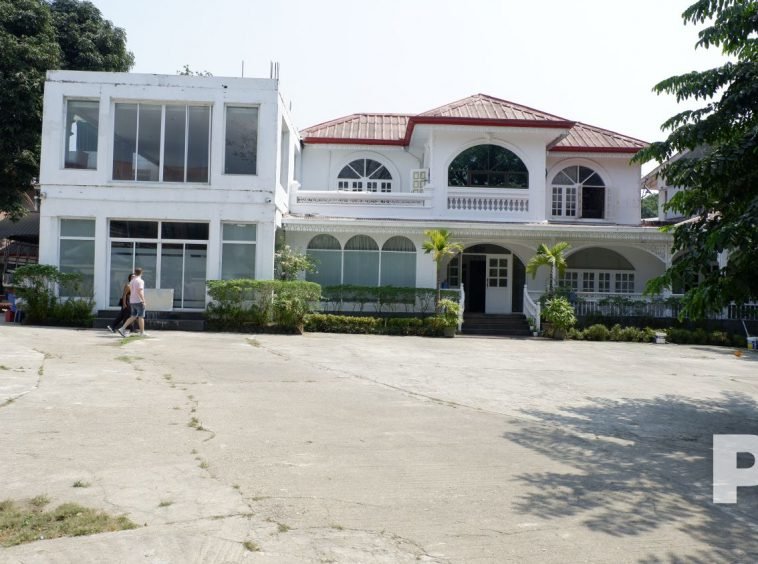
[195, 178]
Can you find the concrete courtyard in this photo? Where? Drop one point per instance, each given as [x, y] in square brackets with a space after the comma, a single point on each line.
[349, 448]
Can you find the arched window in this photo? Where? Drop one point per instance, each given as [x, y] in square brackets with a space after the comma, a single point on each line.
[326, 252]
[399, 262]
[488, 166]
[578, 191]
[361, 262]
[364, 175]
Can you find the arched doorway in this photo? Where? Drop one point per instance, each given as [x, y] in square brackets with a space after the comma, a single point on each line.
[493, 279]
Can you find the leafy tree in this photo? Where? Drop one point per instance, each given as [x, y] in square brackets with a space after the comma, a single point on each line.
[288, 264]
[86, 40]
[187, 71]
[712, 151]
[37, 36]
[442, 249]
[552, 257]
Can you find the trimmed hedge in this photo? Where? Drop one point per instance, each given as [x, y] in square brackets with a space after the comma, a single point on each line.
[384, 299]
[245, 304]
[328, 323]
[599, 332]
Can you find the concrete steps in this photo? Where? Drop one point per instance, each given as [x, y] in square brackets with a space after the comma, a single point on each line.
[509, 324]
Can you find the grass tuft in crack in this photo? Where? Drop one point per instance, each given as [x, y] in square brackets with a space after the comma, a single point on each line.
[81, 484]
[251, 546]
[27, 522]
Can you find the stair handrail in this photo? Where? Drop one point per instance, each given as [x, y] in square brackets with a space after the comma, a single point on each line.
[532, 309]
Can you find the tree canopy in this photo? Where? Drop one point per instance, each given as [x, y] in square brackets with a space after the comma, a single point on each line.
[37, 36]
[712, 151]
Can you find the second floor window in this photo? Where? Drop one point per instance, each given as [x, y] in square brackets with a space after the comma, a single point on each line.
[161, 143]
[364, 175]
[82, 118]
[578, 191]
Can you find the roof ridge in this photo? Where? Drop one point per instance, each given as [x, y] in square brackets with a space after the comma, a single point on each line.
[348, 117]
[480, 95]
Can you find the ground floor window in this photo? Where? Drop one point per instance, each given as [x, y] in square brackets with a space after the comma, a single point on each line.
[172, 255]
[598, 282]
[238, 251]
[77, 255]
[362, 263]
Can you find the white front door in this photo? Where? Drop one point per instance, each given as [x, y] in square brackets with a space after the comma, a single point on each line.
[499, 275]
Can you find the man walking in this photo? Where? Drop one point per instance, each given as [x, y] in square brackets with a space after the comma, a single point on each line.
[137, 303]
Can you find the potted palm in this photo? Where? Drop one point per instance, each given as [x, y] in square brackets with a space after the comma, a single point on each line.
[450, 312]
[442, 249]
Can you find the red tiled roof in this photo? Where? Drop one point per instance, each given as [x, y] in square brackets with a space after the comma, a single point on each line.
[481, 106]
[479, 109]
[361, 128]
[583, 137]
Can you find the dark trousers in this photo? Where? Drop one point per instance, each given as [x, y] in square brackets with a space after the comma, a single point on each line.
[123, 315]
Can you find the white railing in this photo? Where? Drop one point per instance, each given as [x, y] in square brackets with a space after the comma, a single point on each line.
[532, 309]
[378, 199]
[485, 201]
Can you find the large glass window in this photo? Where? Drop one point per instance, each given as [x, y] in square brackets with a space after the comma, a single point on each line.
[398, 262]
[326, 252]
[172, 255]
[361, 262]
[82, 120]
[238, 251]
[576, 184]
[241, 154]
[488, 166]
[137, 151]
[364, 175]
[77, 255]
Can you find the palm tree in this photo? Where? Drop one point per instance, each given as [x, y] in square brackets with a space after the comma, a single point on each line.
[552, 257]
[438, 244]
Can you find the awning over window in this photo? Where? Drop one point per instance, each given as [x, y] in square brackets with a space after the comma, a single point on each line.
[26, 229]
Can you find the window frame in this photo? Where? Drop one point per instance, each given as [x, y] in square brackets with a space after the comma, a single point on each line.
[66, 132]
[248, 242]
[257, 138]
[489, 172]
[91, 238]
[161, 165]
[367, 184]
[578, 194]
[603, 281]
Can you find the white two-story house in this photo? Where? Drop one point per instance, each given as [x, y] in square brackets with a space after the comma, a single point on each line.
[501, 176]
[196, 178]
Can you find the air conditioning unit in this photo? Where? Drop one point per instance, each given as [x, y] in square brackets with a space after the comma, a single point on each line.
[419, 179]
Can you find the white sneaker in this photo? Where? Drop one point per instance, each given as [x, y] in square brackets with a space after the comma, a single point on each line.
[109, 328]
[143, 334]
[121, 332]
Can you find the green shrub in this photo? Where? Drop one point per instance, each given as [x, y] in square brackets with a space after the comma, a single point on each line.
[243, 304]
[328, 323]
[560, 314]
[597, 333]
[388, 299]
[404, 326]
[37, 284]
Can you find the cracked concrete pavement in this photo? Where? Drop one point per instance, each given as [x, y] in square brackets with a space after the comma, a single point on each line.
[349, 448]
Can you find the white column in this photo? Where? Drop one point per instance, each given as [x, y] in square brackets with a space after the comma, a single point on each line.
[264, 260]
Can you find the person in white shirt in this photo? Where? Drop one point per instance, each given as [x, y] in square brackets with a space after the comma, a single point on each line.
[137, 304]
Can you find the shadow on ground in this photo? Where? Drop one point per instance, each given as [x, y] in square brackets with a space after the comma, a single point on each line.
[638, 465]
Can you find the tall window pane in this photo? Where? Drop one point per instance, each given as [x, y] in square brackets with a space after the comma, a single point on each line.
[149, 142]
[238, 251]
[197, 143]
[124, 141]
[174, 144]
[241, 140]
[172, 267]
[77, 255]
[122, 265]
[195, 259]
[82, 119]
[146, 256]
[328, 267]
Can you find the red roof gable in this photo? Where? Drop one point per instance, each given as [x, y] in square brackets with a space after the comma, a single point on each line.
[479, 109]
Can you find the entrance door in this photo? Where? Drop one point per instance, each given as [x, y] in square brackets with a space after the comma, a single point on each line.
[475, 280]
[498, 293]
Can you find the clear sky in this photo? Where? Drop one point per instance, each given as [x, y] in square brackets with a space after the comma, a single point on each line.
[588, 60]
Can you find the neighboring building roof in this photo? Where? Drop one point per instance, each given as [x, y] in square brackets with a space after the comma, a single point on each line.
[25, 229]
[479, 109]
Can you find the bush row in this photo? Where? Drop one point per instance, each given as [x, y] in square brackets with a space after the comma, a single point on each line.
[36, 284]
[383, 299]
[327, 323]
[245, 304]
[599, 332]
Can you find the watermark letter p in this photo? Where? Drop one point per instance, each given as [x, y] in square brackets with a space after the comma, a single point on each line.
[727, 477]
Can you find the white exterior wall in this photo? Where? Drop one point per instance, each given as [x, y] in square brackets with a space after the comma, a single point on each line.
[92, 194]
